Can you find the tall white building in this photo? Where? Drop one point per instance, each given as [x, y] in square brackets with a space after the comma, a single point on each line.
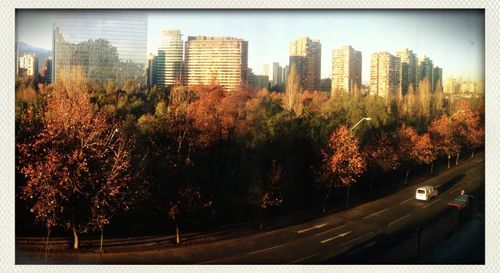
[29, 63]
[384, 74]
[346, 69]
[408, 70]
[170, 58]
[220, 59]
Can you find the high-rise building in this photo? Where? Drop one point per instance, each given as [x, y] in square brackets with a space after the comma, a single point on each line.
[285, 73]
[257, 82]
[384, 74]
[151, 70]
[306, 54]
[346, 69]
[29, 63]
[277, 74]
[46, 74]
[408, 70]
[104, 45]
[170, 58]
[223, 59]
[437, 79]
[425, 70]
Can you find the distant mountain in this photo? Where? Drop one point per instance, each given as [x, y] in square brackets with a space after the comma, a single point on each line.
[41, 52]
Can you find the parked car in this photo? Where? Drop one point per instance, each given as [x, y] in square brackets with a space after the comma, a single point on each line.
[426, 193]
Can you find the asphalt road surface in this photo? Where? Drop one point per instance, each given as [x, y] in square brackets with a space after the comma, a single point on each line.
[385, 230]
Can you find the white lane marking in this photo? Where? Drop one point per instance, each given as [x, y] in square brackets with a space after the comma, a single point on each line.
[266, 249]
[311, 228]
[407, 200]
[361, 248]
[330, 230]
[335, 237]
[357, 238]
[393, 222]
[373, 214]
[432, 203]
[451, 192]
[303, 259]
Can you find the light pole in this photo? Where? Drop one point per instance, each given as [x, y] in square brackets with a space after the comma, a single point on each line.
[366, 118]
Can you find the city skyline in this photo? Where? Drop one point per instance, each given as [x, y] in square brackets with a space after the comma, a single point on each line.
[450, 33]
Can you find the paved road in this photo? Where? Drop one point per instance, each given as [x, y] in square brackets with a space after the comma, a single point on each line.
[356, 233]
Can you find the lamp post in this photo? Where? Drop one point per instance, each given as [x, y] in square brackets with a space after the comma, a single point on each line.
[355, 125]
[459, 111]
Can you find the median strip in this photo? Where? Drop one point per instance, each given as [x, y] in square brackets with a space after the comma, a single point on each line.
[393, 222]
[373, 214]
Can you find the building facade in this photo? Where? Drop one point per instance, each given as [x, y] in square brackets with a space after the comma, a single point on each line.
[28, 63]
[257, 82]
[104, 45]
[306, 54]
[384, 74]
[170, 58]
[151, 70]
[46, 74]
[425, 71]
[220, 59]
[277, 74]
[408, 70]
[346, 69]
[437, 79]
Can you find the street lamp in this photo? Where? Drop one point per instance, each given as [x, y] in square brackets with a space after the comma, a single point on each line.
[368, 119]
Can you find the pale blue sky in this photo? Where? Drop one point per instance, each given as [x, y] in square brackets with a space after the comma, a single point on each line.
[453, 39]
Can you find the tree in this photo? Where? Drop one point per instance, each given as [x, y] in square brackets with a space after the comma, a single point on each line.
[443, 137]
[266, 193]
[76, 166]
[291, 98]
[380, 152]
[414, 149]
[343, 163]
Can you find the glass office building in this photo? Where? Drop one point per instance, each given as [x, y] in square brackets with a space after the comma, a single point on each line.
[105, 45]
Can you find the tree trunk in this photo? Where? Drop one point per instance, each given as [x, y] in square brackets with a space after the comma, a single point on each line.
[432, 167]
[102, 239]
[177, 233]
[75, 237]
[326, 199]
[347, 199]
[407, 174]
[449, 157]
[47, 245]
[456, 161]
[472, 154]
[261, 226]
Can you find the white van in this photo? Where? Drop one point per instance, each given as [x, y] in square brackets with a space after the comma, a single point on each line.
[426, 193]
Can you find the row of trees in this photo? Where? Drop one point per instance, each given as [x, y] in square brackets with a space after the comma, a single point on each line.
[90, 152]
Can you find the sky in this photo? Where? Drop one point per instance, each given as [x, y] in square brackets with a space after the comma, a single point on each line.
[453, 39]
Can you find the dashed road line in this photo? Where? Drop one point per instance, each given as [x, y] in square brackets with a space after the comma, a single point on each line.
[357, 238]
[393, 222]
[431, 203]
[451, 192]
[303, 259]
[363, 247]
[266, 249]
[335, 237]
[407, 200]
[330, 230]
[373, 214]
[311, 228]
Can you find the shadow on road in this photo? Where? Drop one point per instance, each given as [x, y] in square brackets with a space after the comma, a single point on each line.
[448, 184]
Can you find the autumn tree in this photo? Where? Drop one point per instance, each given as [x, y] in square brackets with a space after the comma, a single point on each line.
[443, 137]
[380, 153]
[77, 167]
[267, 192]
[343, 162]
[467, 127]
[414, 149]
